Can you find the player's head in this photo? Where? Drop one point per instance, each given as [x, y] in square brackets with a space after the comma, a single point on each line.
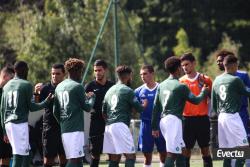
[100, 68]
[173, 66]
[75, 68]
[6, 74]
[57, 73]
[124, 74]
[21, 69]
[220, 55]
[188, 63]
[147, 73]
[230, 63]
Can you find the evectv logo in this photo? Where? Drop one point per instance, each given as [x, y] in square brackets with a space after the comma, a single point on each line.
[230, 153]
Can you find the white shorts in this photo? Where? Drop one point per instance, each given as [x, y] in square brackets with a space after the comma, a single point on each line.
[231, 131]
[118, 139]
[171, 129]
[18, 135]
[73, 143]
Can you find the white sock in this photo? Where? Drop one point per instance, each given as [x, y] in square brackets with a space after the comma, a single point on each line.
[146, 165]
[233, 162]
[247, 162]
[162, 164]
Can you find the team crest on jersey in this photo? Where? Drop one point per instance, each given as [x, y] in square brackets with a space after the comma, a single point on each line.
[244, 141]
[177, 149]
[80, 152]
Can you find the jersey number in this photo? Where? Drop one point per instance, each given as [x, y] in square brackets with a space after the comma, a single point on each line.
[114, 101]
[64, 99]
[166, 93]
[223, 93]
[12, 99]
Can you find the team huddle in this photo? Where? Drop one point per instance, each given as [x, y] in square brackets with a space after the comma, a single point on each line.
[174, 113]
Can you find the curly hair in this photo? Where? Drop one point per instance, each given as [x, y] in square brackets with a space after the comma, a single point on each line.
[73, 65]
[223, 53]
[123, 70]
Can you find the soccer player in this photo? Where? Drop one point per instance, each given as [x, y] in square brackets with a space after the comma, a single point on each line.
[226, 100]
[146, 140]
[69, 103]
[196, 125]
[99, 86]
[51, 135]
[170, 100]
[117, 107]
[15, 106]
[6, 74]
[243, 75]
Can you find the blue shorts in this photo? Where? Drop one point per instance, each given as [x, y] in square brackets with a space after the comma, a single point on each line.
[146, 140]
[245, 119]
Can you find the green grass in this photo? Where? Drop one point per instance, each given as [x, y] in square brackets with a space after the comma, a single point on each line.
[194, 163]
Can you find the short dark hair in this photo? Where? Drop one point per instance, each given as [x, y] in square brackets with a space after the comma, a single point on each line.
[223, 53]
[8, 69]
[73, 65]
[100, 62]
[150, 68]
[21, 68]
[188, 57]
[172, 64]
[230, 59]
[123, 70]
[59, 66]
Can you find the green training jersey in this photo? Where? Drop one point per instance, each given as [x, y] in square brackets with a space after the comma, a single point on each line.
[118, 104]
[171, 97]
[16, 101]
[227, 90]
[69, 104]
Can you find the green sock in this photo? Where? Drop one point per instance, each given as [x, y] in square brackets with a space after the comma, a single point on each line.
[239, 162]
[180, 161]
[169, 162]
[113, 163]
[71, 163]
[227, 163]
[26, 161]
[130, 163]
[17, 160]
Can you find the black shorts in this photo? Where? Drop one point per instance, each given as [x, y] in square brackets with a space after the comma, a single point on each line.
[5, 148]
[96, 131]
[52, 141]
[196, 129]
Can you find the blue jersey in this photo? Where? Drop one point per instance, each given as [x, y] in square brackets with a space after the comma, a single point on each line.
[244, 101]
[245, 78]
[142, 93]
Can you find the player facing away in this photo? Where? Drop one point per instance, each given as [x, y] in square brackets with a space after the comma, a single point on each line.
[51, 135]
[15, 106]
[196, 124]
[69, 103]
[99, 86]
[118, 104]
[6, 74]
[170, 100]
[227, 91]
[146, 140]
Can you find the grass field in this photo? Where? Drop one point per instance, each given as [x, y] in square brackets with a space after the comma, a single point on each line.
[194, 163]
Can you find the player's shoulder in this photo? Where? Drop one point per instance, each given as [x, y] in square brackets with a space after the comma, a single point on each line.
[140, 88]
[90, 84]
[183, 78]
[242, 74]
